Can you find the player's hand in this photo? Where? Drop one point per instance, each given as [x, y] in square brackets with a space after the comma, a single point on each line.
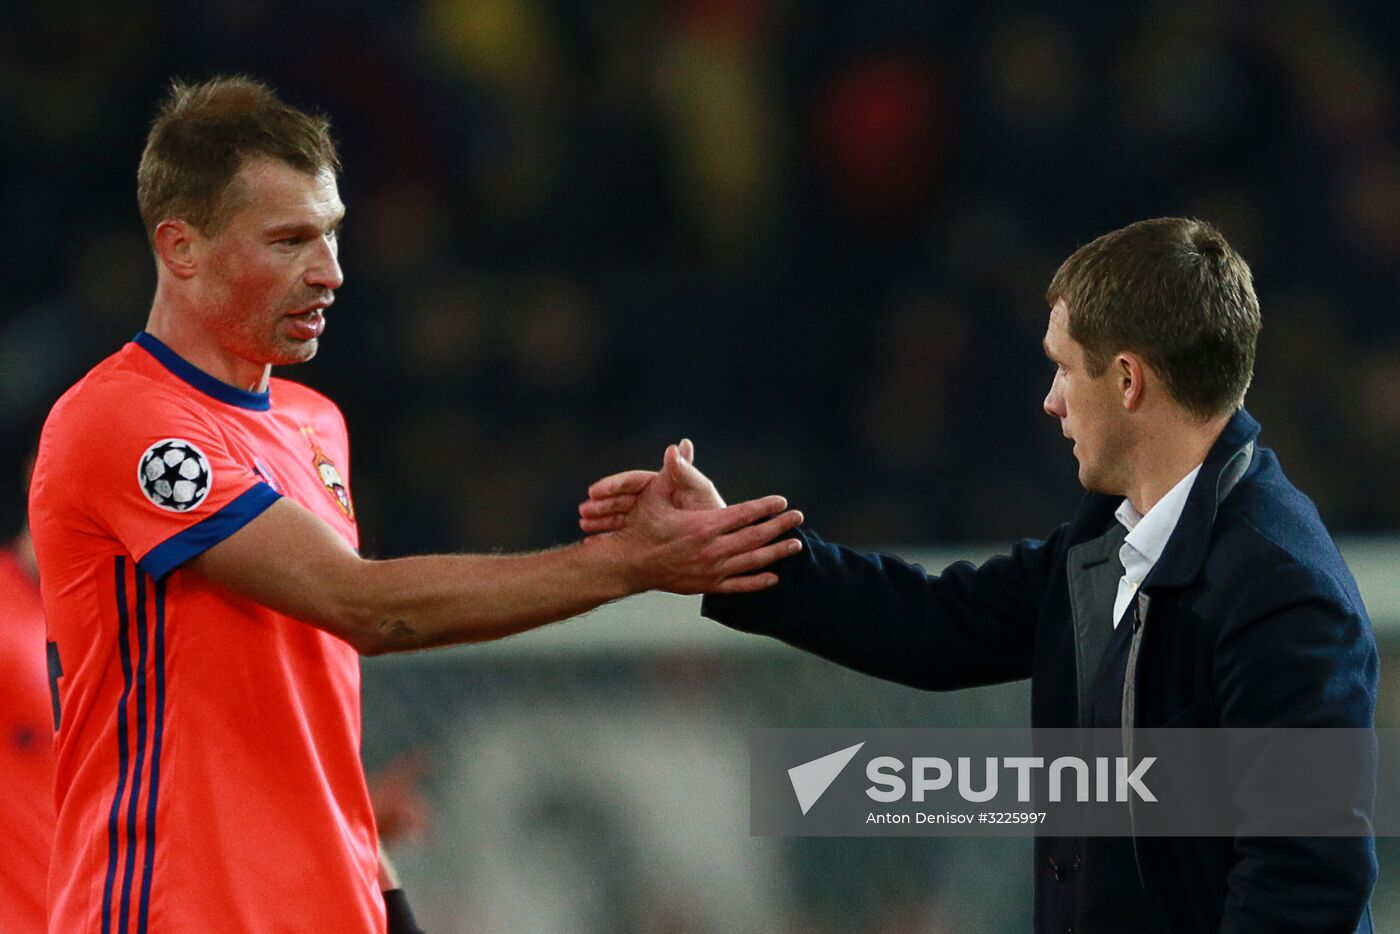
[691, 551]
[675, 533]
[611, 498]
[401, 809]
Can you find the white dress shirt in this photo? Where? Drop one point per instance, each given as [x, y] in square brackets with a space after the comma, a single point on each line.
[1147, 538]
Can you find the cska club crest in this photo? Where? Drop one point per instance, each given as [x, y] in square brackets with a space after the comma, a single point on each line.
[329, 474]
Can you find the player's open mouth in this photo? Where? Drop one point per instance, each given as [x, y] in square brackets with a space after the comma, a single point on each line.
[307, 325]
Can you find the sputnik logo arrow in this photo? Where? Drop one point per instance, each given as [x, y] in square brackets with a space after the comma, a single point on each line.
[810, 780]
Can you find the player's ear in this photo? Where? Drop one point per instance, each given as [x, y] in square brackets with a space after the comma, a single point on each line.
[174, 245]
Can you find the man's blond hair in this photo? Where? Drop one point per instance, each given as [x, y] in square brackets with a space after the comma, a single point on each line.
[204, 133]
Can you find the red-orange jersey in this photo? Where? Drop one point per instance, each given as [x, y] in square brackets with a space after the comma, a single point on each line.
[26, 752]
[208, 775]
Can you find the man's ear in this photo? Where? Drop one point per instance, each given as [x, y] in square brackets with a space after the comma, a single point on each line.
[174, 244]
[1131, 374]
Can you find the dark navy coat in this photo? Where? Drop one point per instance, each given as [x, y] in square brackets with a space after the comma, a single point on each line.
[1252, 620]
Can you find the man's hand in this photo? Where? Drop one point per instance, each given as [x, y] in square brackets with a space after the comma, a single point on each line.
[612, 498]
[673, 527]
[401, 808]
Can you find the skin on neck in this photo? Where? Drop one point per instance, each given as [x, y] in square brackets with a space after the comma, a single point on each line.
[1167, 444]
[175, 321]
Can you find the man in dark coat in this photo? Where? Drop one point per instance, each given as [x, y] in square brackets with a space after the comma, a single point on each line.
[1194, 586]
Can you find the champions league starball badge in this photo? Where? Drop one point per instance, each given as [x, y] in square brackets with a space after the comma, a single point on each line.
[175, 475]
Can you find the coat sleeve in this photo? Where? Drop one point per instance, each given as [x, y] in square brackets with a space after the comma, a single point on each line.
[1298, 652]
[876, 614]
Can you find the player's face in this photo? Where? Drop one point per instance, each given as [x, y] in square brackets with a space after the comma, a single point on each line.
[272, 271]
[1090, 409]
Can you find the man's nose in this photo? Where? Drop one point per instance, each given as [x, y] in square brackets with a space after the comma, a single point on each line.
[325, 270]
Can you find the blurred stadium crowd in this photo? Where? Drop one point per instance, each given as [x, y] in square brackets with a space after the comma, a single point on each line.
[813, 237]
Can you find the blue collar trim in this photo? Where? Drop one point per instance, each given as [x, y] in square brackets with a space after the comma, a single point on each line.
[256, 401]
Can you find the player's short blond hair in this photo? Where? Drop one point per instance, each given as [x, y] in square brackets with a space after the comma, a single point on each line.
[204, 133]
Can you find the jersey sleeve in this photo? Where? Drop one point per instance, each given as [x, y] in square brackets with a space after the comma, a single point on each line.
[158, 474]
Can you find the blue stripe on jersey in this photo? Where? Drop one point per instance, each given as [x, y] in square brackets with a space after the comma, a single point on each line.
[144, 913]
[210, 386]
[209, 531]
[124, 644]
[142, 641]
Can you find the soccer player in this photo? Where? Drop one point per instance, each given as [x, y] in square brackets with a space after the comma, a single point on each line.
[196, 540]
[26, 748]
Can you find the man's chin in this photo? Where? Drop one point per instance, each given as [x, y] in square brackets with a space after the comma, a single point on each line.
[290, 352]
[1094, 482]
[1089, 480]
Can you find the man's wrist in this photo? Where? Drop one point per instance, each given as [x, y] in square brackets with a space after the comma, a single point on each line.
[610, 566]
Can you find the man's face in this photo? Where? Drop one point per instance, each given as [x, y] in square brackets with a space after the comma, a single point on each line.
[269, 274]
[1090, 409]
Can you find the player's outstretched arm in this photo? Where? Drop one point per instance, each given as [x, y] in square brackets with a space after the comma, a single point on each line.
[292, 561]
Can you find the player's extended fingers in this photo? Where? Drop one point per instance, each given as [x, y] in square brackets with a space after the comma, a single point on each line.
[594, 508]
[748, 512]
[750, 584]
[628, 481]
[687, 450]
[758, 558]
[756, 536]
[602, 524]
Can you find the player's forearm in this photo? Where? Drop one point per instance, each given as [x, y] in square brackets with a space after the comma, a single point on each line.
[421, 602]
[290, 561]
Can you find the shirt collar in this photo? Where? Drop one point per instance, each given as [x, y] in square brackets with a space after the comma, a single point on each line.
[191, 374]
[1148, 534]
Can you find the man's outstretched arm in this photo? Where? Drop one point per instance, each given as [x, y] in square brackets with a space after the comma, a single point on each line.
[870, 612]
[291, 561]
